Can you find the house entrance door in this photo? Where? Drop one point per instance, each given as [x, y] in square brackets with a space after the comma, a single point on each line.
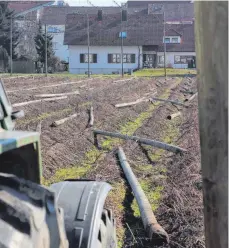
[149, 60]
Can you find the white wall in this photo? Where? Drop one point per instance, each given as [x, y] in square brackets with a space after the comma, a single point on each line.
[170, 59]
[61, 50]
[102, 66]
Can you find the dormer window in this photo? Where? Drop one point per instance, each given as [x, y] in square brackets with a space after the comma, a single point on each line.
[172, 39]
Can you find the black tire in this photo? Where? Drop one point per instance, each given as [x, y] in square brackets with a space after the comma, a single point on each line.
[107, 232]
[29, 216]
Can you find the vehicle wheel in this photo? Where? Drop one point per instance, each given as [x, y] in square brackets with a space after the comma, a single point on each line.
[107, 232]
[29, 216]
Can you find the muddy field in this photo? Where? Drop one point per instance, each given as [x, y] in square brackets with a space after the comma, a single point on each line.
[171, 182]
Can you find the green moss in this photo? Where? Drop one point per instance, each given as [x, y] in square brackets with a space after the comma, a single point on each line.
[152, 193]
[117, 197]
[160, 72]
[108, 143]
[67, 173]
[85, 104]
[44, 116]
[91, 156]
[76, 171]
[120, 236]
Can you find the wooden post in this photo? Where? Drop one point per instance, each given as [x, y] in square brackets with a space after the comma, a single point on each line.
[211, 28]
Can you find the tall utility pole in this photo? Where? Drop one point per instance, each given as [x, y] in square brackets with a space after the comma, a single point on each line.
[213, 116]
[164, 42]
[121, 38]
[122, 45]
[88, 47]
[11, 46]
[46, 52]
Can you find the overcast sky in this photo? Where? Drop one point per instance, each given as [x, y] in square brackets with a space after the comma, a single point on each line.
[94, 2]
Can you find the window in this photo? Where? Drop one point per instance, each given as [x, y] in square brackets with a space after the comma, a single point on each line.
[182, 59]
[129, 58]
[172, 39]
[160, 59]
[84, 58]
[175, 40]
[116, 58]
[167, 40]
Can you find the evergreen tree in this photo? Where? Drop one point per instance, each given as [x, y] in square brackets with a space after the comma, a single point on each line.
[5, 27]
[40, 45]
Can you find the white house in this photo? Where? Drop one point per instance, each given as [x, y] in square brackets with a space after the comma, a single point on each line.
[142, 46]
[142, 36]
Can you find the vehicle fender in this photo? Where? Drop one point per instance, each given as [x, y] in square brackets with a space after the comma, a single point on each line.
[83, 203]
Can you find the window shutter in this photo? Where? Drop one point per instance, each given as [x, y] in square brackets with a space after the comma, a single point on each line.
[133, 58]
[100, 15]
[124, 15]
[109, 58]
[94, 58]
[81, 58]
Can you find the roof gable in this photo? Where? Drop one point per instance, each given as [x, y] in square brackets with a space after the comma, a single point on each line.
[141, 29]
[172, 32]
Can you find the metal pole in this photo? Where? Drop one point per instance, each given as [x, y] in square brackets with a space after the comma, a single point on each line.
[122, 46]
[88, 47]
[164, 43]
[11, 46]
[46, 55]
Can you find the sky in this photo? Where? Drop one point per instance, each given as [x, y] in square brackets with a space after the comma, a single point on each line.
[94, 2]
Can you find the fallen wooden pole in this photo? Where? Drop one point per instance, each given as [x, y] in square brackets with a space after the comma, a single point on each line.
[122, 80]
[191, 98]
[40, 100]
[60, 122]
[154, 231]
[127, 104]
[187, 92]
[38, 129]
[149, 142]
[91, 122]
[172, 116]
[168, 101]
[47, 86]
[59, 94]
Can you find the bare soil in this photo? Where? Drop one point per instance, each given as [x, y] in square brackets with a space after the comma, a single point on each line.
[172, 182]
